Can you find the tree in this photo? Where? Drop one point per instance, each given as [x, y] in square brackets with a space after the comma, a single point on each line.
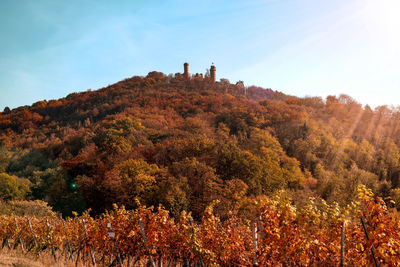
[112, 141]
[204, 184]
[13, 187]
[262, 175]
[5, 159]
[59, 189]
[7, 110]
[138, 180]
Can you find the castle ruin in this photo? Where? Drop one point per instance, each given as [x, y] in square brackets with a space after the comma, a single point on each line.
[213, 73]
[212, 77]
[186, 70]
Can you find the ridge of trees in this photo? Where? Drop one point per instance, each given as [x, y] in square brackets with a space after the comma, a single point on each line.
[184, 143]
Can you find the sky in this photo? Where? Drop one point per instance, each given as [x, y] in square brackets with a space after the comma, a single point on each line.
[49, 48]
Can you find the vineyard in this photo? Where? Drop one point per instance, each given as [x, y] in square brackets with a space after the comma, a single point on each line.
[278, 235]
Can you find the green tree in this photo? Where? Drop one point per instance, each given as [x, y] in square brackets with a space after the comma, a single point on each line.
[26, 164]
[13, 187]
[59, 189]
[263, 175]
[112, 141]
[138, 180]
[204, 184]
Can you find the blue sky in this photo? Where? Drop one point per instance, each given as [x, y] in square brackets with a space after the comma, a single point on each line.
[49, 48]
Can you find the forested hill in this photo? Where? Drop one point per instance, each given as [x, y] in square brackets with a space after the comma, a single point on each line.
[184, 143]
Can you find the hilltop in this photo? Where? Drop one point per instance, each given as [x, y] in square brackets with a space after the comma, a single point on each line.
[183, 143]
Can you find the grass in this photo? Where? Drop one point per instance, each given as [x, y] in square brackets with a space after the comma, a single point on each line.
[15, 258]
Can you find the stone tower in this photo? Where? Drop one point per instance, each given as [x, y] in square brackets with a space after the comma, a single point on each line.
[213, 73]
[186, 70]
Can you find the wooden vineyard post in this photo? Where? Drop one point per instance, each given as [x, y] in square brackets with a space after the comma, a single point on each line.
[254, 234]
[145, 241]
[68, 243]
[342, 245]
[111, 234]
[90, 247]
[19, 235]
[51, 239]
[33, 234]
[77, 258]
[6, 241]
[194, 233]
[367, 237]
[261, 228]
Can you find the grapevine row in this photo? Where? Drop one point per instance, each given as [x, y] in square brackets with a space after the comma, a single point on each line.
[278, 235]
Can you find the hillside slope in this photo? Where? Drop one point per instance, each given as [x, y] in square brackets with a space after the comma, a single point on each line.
[184, 143]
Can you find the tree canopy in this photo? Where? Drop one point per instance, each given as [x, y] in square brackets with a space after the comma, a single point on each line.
[164, 140]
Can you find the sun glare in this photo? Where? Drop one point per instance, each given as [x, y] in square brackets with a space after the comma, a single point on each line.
[382, 20]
